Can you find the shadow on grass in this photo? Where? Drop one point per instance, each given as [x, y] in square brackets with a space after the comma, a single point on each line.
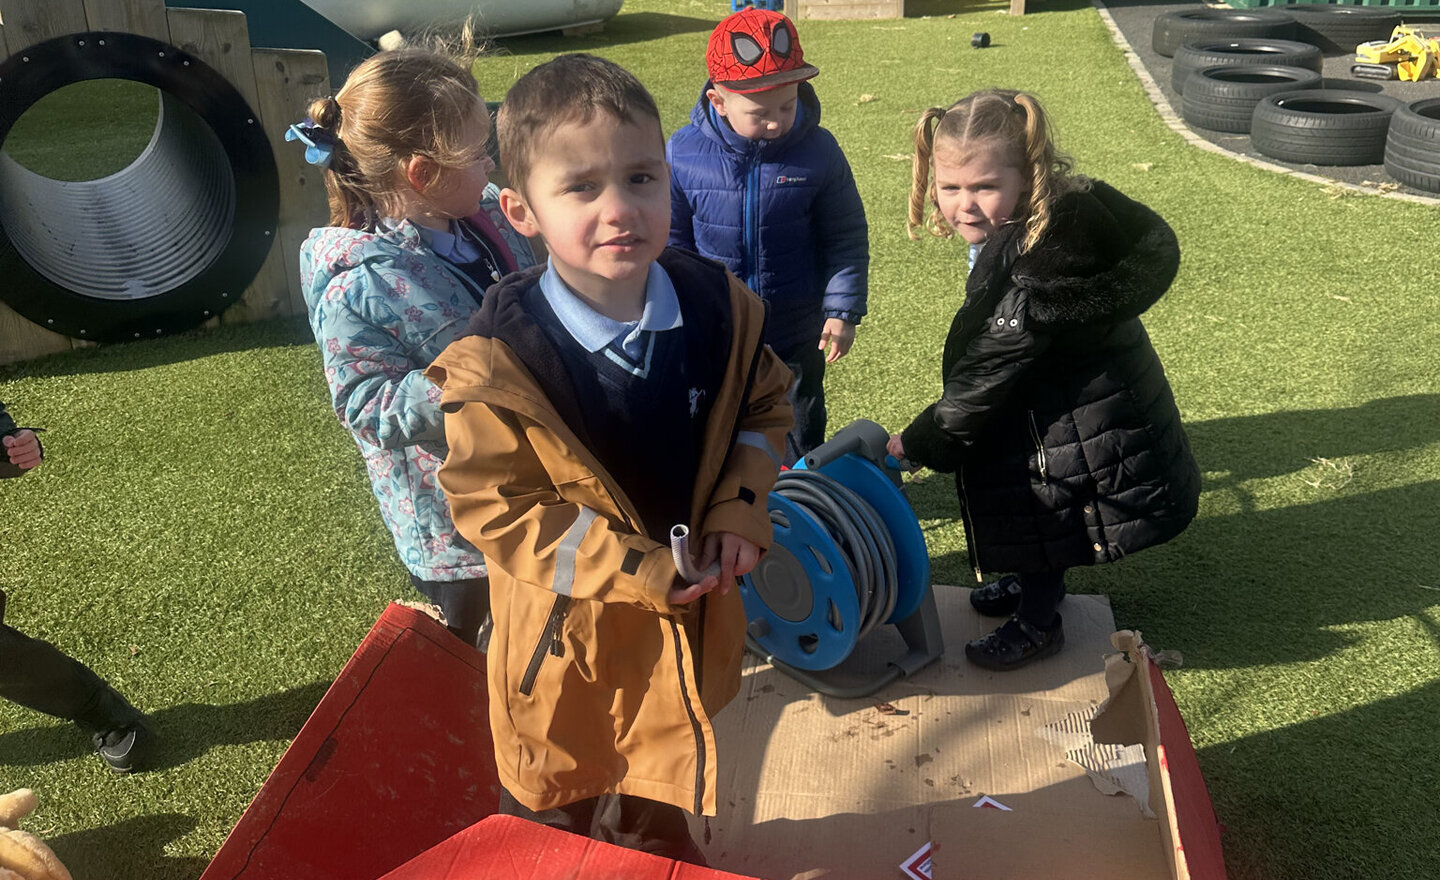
[192, 345]
[132, 848]
[183, 732]
[1269, 586]
[1338, 797]
[1233, 450]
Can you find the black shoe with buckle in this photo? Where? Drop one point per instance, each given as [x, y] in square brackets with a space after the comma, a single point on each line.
[1014, 644]
[997, 599]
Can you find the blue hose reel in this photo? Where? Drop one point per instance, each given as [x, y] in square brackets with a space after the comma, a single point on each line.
[848, 555]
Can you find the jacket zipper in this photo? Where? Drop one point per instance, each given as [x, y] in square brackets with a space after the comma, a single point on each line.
[969, 530]
[549, 643]
[694, 721]
[752, 259]
[1039, 449]
[700, 636]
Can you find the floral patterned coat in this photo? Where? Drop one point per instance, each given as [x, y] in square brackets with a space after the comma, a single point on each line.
[382, 306]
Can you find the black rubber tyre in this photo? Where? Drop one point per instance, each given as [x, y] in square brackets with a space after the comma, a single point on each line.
[1337, 30]
[1354, 85]
[1323, 126]
[1174, 29]
[1224, 98]
[1412, 149]
[1230, 52]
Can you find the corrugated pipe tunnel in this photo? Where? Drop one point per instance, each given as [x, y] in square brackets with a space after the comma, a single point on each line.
[161, 245]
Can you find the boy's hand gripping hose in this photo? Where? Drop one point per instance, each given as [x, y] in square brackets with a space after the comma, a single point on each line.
[680, 548]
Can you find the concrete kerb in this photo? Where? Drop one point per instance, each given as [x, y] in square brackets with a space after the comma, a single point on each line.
[1176, 124]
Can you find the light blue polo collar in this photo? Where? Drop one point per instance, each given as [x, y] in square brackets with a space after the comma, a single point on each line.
[594, 331]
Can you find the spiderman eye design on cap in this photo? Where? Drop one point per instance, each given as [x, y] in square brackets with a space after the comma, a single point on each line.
[780, 40]
[746, 50]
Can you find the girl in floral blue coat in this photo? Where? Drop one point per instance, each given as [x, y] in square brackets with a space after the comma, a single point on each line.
[416, 237]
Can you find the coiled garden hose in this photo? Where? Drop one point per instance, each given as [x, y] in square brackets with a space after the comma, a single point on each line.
[865, 544]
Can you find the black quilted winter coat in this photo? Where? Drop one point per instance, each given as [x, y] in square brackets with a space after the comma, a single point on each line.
[1056, 416]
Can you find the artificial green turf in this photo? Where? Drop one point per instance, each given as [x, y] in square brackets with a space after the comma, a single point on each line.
[203, 534]
[86, 130]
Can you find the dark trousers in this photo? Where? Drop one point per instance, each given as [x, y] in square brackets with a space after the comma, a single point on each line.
[807, 396]
[624, 820]
[40, 676]
[1040, 595]
[465, 604]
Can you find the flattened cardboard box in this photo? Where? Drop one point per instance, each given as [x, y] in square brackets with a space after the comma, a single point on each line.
[813, 786]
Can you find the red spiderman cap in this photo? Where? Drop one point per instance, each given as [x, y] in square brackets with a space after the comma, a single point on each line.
[755, 50]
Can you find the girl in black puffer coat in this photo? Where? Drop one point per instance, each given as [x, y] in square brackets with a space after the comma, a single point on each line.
[1056, 416]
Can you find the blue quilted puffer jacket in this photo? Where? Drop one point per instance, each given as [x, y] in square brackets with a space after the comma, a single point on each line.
[783, 215]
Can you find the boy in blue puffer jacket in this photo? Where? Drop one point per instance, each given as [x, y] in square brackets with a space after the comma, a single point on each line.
[758, 185]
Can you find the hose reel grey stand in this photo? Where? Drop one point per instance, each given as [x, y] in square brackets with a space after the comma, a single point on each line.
[848, 556]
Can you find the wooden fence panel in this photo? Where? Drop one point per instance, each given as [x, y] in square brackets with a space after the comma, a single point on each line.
[221, 39]
[288, 80]
[28, 22]
[143, 17]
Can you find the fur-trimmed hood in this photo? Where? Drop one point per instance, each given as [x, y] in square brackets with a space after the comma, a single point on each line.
[1104, 258]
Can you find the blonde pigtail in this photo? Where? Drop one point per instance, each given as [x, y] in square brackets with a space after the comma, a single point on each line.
[922, 188]
[1050, 170]
[1037, 146]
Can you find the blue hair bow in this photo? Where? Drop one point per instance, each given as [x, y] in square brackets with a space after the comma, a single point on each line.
[319, 142]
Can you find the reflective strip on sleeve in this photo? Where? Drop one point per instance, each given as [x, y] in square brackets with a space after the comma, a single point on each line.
[564, 582]
[757, 440]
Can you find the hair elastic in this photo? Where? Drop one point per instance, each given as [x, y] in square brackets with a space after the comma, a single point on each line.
[319, 142]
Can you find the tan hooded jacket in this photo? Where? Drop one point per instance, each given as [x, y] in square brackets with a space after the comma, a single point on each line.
[597, 684]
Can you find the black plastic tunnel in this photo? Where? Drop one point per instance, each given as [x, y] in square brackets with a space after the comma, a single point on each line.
[160, 246]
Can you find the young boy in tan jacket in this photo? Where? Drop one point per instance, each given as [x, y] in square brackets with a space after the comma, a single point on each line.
[620, 390]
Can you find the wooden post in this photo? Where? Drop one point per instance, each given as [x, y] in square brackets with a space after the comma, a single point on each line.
[221, 39]
[21, 340]
[838, 9]
[287, 80]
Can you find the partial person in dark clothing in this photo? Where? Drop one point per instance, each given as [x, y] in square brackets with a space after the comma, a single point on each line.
[1056, 415]
[39, 676]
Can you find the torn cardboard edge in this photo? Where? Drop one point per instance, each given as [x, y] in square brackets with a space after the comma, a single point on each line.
[1118, 745]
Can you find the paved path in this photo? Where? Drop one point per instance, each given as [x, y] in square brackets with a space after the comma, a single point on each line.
[1131, 23]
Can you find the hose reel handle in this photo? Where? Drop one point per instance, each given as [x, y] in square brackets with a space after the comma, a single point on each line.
[863, 437]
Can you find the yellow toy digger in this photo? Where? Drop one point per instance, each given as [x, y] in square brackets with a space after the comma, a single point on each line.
[1409, 55]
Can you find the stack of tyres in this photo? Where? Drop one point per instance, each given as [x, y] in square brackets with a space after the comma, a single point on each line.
[1233, 51]
[1337, 30]
[1412, 147]
[1224, 98]
[1174, 29]
[1323, 126]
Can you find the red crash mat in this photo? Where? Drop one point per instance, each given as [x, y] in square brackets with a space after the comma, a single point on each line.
[395, 759]
[507, 848]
